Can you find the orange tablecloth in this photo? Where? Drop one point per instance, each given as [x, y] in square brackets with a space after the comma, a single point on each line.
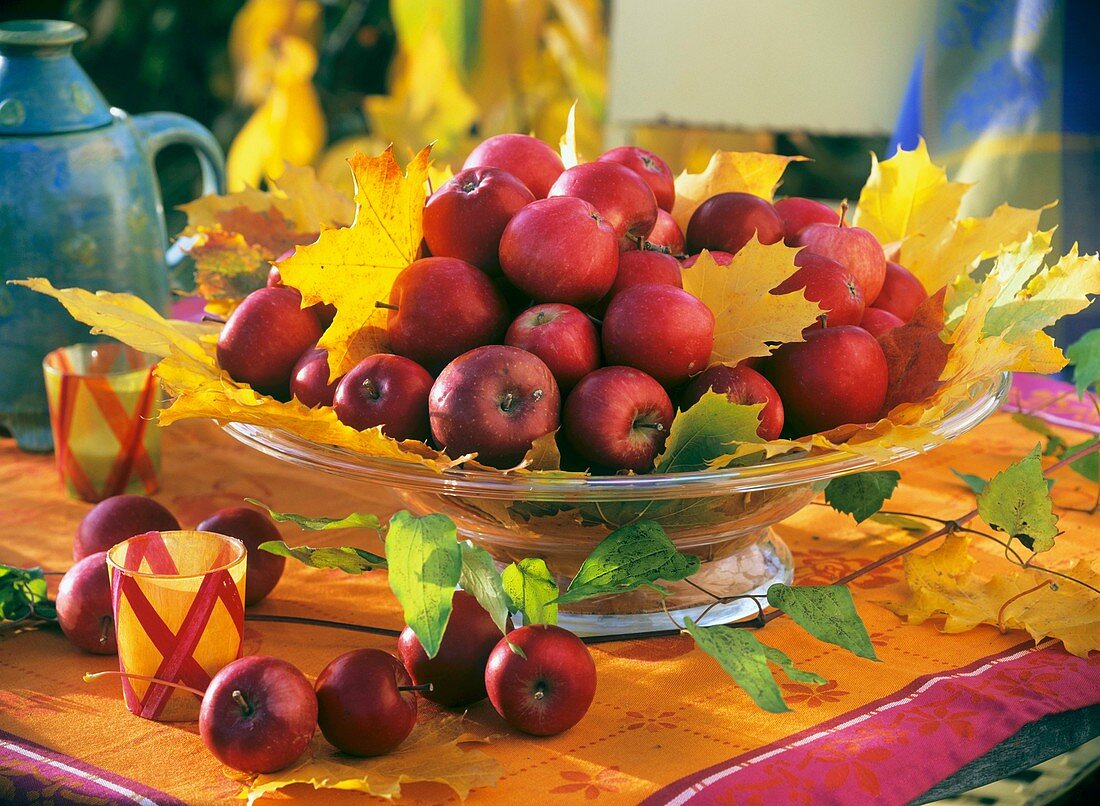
[663, 711]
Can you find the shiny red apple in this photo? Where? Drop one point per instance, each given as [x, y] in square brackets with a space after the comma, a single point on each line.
[902, 293]
[309, 382]
[830, 285]
[527, 158]
[666, 232]
[797, 213]
[877, 321]
[364, 707]
[653, 170]
[742, 385]
[622, 197]
[252, 527]
[84, 608]
[118, 518]
[852, 247]
[562, 336]
[728, 221]
[386, 390]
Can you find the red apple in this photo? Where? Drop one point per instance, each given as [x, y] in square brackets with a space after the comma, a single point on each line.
[902, 293]
[309, 379]
[642, 267]
[467, 215]
[258, 714]
[659, 329]
[797, 213]
[837, 376]
[727, 222]
[666, 232]
[560, 250]
[444, 307]
[720, 257]
[457, 672]
[852, 247]
[562, 336]
[541, 679]
[264, 337]
[386, 390]
[740, 385]
[618, 418]
[828, 284]
[620, 195]
[494, 401]
[527, 158]
[84, 608]
[364, 707]
[877, 321]
[263, 570]
[325, 312]
[117, 518]
[653, 170]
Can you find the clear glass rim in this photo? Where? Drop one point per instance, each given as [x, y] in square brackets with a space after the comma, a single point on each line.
[799, 468]
[240, 553]
[149, 361]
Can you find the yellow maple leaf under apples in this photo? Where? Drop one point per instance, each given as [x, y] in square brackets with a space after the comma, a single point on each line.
[942, 584]
[354, 267]
[746, 317]
[729, 172]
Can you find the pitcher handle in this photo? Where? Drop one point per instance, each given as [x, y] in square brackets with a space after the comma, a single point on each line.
[159, 129]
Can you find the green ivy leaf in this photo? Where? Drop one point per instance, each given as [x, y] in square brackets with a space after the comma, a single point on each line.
[425, 564]
[976, 484]
[787, 665]
[861, 495]
[633, 555]
[911, 525]
[1055, 444]
[348, 559]
[1017, 501]
[706, 431]
[744, 659]
[354, 520]
[23, 594]
[1087, 466]
[826, 612]
[533, 590]
[481, 579]
[1084, 355]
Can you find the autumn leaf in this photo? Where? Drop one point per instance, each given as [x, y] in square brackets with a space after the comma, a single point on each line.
[1084, 355]
[227, 267]
[747, 317]
[567, 146]
[729, 172]
[915, 354]
[861, 495]
[354, 267]
[1017, 502]
[706, 431]
[942, 584]
[432, 752]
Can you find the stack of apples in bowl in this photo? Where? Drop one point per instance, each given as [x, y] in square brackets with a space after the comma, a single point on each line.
[548, 313]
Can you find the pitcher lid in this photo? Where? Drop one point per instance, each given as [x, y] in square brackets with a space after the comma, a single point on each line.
[42, 88]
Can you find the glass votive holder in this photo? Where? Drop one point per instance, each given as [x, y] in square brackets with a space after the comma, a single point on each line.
[179, 617]
[103, 399]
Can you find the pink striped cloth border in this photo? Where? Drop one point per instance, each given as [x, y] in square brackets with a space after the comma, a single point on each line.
[1054, 401]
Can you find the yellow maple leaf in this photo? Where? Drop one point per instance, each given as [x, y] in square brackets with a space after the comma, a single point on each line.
[355, 267]
[942, 584]
[567, 145]
[729, 172]
[227, 267]
[746, 317]
[431, 753]
[255, 29]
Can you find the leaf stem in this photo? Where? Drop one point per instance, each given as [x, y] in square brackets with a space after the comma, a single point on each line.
[90, 677]
[1011, 599]
[317, 622]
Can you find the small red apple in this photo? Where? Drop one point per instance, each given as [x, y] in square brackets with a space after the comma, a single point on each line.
[877, 321]
[828, 284]
[562, 336]
[466, 216]
[740, 385]
[263, 570]
[118, 518]
[386, 390]
[84, 608]
[666, 232]
[618, 418]
[309, 379]
[852, 247]
[720, 257]
[258, 714]
[364, 705]
[727, 222]
[560, 250]
[651, 168]
[620, 195]
[494, 401]
[902, 293]
[527, 158]
[797, 213]
[541, 679]
[457, 672]
[659, 329]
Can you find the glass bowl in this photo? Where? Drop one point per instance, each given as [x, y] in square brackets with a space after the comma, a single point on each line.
[722, 516]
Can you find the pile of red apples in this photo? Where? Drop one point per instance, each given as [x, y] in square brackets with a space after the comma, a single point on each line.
[552, 301]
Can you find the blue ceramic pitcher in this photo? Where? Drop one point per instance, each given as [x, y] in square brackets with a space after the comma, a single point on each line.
[79, 204]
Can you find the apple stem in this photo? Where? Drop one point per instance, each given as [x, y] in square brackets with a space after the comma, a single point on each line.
[105, 626]
[654, 426]
[421, 687]
[90, 677]
[823, 320]
[506, 403]
[649, 246]
[209, 317]
[370, 389]
[387, 306]
[843, 213]
[246, 708]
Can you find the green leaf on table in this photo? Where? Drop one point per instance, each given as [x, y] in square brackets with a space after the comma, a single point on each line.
[1017, 502]
[533, 590]
[1055, 444]
[481, 579]
[1087, 466]
[354, 520]
[861, 495]
[1084, 356]
[744, 659]
[976, 484]
[348, 559]
[425, 564]
[827, 612]
[637, 554]
[23, 594]
[793, 672]
[912, 525]
[707, 430]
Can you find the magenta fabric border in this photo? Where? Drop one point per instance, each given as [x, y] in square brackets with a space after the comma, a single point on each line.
[1057, 400]
[879, 752]
[35, 773]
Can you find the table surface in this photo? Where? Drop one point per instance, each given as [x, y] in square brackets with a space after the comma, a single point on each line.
[666, 724]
